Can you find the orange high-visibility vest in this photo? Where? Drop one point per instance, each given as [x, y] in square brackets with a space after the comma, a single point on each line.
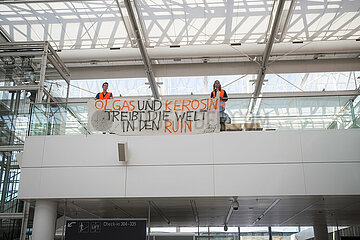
[222, 104]
[107, 95]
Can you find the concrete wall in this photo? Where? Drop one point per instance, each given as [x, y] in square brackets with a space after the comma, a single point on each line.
[325, 162]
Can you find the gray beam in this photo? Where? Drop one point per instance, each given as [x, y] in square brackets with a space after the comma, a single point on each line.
[11, 148]
[245, 95]
[159, 212]
[127, 24]
[265, 58]
[285, 22]
[310, 94]
[213, 69]
[5, 35]
[11, 215]
[195, 212]
[19, 88]
[42, 72]
[144, 54]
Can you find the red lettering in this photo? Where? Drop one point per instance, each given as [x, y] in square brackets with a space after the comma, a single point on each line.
[116, 107]
[125, 105]
[132, 105]
[188, 125]
[106, 101]
[204, 104]
[177, 105]
[192, 104]
[182, 127]
[167, 105]
[96, 104]
[167, 126]
[185, 105]
[177, 126]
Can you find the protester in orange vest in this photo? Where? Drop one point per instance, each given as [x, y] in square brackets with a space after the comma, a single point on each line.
[104, 94]
[221, 93]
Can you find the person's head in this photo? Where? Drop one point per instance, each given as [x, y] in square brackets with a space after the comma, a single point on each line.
[217, 85]
[105, 86]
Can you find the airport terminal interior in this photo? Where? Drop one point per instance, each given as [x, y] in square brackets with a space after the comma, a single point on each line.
[275, 154]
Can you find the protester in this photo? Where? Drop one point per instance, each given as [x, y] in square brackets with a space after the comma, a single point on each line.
[104, 94]
[221, 93]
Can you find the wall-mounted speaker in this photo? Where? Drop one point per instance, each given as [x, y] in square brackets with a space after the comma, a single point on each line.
[122, 152]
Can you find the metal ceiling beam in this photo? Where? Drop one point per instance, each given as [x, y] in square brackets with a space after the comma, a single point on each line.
[19, 88]
[11, 215]
[144, 54]
[213, 69]
[245, 95]
[304, 80]
[195, 212]
[213, 51]
[159, 212]
[10, 148]
[4, 35]
[285, 20]
[125, 17]
[265, 58]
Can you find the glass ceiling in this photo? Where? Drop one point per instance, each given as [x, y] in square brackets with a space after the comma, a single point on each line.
[66, 25]
[98, 24]
[179, 22]
[315, 20]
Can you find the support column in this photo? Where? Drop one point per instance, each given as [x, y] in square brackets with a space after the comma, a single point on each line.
[44, 220]
[321, 232]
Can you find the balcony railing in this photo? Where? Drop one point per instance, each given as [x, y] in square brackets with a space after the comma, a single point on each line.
[270, 113]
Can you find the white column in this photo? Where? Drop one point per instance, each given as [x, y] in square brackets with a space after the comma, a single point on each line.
[44, 220]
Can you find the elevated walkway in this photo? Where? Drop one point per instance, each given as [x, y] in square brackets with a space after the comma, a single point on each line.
[276, 163]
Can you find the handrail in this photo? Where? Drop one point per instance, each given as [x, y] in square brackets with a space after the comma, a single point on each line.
[233, 96]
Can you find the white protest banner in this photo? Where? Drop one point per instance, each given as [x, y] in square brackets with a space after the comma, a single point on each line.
[154, 117]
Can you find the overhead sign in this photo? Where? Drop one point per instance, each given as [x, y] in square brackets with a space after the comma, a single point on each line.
[153, 117]
[100, 229]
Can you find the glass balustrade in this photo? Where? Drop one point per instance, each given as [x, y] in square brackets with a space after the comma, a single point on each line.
[262, 114]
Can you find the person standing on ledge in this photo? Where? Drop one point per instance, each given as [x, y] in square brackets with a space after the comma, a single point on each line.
[221, 93]
[104, 94]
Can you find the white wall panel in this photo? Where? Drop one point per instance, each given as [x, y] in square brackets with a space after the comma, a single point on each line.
[332, 178]
[224, 164]
[257, 147]
[29, 183]
[259, 180]
[33, 151]
[170, 181]
[83, 182]
[81, 150]
[331, 146]
[184, 149]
